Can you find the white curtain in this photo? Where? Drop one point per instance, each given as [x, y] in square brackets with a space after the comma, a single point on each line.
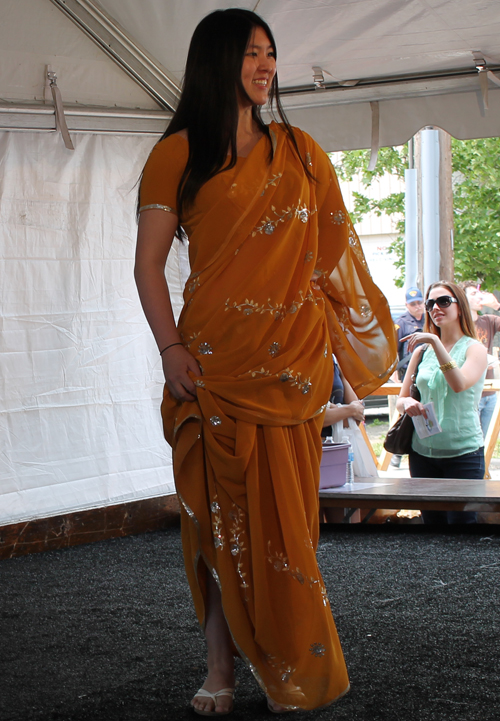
[81, 380]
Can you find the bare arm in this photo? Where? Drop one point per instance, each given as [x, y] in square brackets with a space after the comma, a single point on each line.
[154, 240]
[349, 394]
[353, 407]
[459, 379]
[341, 413]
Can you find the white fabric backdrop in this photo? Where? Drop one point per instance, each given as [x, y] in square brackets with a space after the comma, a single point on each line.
[81, 381]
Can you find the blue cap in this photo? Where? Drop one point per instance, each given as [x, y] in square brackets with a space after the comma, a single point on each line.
[413, 294]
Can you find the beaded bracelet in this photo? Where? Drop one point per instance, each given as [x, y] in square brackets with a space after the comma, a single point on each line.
[448, 366]
[169, 346]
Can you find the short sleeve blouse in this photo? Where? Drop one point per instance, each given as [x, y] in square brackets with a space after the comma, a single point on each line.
[162, 174]
[161, 177]
[457, 413]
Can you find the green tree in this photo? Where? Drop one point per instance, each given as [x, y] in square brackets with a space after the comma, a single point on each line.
[476, 209]
[476, 204]
[390, 160]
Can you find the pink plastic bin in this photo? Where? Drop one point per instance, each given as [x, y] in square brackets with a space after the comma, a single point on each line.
[333, 468]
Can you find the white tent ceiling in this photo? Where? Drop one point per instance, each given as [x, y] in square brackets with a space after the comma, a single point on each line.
[413, 56]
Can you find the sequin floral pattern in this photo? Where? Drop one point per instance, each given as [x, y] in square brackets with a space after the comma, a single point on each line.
[338, 217]
[269, 224]
[191, 338]
[274, 180]
[274, 349]
[285, 670]
[278, 310]
[217, 529]
[285, 376]
[237, 544]
[280, 563]
[356, 247]
[193, 282]
[317, 649]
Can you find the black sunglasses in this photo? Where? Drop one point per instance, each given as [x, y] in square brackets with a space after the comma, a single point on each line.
[444, 301]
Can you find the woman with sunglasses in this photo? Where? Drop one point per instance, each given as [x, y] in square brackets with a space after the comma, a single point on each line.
[451, 368]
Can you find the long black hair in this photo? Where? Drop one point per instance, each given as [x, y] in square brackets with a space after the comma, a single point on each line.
[208, 108]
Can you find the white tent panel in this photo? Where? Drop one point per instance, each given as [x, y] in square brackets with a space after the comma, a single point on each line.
[81, 380]
[36, 34]
[376, 42]
[348, 38]
[349, 126]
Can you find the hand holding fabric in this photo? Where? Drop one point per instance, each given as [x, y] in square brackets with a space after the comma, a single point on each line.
[357, 411]
[177, 364]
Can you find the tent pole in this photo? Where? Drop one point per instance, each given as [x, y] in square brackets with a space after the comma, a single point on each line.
[446, 260]
[430, 204]
[131, 57]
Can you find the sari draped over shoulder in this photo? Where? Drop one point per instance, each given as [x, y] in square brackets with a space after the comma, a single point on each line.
[247, 451]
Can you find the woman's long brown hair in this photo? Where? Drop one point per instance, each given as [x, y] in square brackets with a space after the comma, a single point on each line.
[464, 316]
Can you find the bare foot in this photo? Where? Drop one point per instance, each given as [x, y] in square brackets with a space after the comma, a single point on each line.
[220, 659]
[216, 681]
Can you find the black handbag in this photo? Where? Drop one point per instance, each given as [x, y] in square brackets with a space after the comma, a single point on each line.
[398, 438]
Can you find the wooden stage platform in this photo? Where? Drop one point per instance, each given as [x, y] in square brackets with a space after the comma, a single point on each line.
[429, 494]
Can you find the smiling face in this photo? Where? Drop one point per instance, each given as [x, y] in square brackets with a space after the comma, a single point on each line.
[443, 316]
[258, 70]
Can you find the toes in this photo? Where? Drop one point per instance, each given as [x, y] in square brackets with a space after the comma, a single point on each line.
[202, 705]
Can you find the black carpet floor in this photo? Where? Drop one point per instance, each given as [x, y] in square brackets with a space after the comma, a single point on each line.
[107, 632]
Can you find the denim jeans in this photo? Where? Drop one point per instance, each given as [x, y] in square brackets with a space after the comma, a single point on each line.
[486, 407]
[469, 465]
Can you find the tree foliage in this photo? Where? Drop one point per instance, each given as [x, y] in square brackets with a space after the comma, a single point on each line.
[476, 201]
[476, 204]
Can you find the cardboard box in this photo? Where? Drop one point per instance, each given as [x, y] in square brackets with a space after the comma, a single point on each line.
[333, 468]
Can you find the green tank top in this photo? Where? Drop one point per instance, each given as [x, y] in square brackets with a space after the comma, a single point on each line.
[457, 413]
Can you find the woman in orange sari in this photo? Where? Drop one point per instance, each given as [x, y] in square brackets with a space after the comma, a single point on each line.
[278, 280]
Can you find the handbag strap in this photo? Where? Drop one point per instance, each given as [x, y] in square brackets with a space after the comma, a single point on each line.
[414, 392]
[414, 375]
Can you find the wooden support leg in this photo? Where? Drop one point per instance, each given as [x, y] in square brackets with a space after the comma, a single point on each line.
[491, 437]
[362, 428]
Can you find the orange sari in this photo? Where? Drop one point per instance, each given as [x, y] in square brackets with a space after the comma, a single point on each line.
[247, 452]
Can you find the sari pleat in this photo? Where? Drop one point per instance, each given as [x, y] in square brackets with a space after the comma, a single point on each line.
[247, 451]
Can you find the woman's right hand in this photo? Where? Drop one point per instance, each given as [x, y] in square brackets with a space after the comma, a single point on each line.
[177, 364]
[357, 411]
[414, 407]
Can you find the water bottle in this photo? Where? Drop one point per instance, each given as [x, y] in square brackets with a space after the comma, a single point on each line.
[350, 462]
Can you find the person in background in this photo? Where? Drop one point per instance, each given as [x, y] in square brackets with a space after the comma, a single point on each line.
[487, 325]
[344, 403]
[450, 373]
[410, 322]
